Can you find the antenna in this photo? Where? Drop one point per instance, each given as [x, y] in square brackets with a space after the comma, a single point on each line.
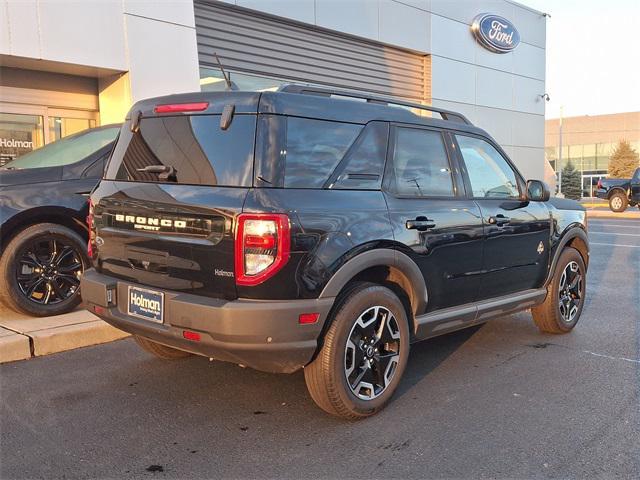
[224, 74]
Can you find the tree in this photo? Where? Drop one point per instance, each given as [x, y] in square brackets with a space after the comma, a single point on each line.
[571, 182]
[624, 161]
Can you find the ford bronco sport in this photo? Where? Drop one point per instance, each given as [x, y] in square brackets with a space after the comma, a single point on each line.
[303, 229]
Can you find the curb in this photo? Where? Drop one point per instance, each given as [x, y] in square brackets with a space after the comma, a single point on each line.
[609, 214]
[70, 337]
[23, 337]
[13, 346]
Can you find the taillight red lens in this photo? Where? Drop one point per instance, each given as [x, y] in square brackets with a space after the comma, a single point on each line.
[599, 183]
[262, 246]
[181, 107]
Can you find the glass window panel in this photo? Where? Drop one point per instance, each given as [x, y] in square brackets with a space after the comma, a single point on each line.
[60, 127]
[314, 149]
[195, 146]
[68, 150]
[19, 134]
[420, 164]
[365, 163]
[490, 174]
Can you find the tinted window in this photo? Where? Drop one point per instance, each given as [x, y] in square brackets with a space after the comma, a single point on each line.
[489, 172]
[66, 151]
[364, 164]
[420, 164]
[314, 149]
[200, 152]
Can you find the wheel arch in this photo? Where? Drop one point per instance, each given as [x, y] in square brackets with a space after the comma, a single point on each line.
[576, 238]
[65, 217]
[615, 190]
[387, 267]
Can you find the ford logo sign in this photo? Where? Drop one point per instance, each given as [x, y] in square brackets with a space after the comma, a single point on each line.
[495, 33]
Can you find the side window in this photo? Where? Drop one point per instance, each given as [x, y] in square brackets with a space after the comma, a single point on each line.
[314, 149]
[489, 173]
[96, 169]
[363, 167]
[420, 164]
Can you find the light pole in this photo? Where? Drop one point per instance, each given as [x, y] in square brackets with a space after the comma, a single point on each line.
[559, 163]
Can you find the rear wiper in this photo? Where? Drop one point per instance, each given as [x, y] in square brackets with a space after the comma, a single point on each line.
[165, 172]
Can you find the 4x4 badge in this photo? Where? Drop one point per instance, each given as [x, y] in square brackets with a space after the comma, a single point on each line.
[540, 248]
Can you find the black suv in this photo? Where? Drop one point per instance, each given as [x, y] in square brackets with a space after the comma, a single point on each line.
[316, 229]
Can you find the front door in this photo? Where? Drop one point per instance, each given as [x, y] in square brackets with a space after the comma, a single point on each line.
[517, 232]
[432, 221]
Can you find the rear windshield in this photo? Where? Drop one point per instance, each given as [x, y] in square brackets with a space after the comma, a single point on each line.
[186, 149]
[66, 151]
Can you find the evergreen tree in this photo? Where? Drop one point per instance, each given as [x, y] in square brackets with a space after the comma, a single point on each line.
[624, 161]
[571, 182]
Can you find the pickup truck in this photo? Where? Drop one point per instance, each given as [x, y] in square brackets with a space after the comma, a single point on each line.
[621, 192]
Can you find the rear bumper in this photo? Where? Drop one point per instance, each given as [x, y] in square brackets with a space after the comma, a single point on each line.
[261, 334]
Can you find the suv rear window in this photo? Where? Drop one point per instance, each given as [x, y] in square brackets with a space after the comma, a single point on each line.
[314, 149]
[197, 149]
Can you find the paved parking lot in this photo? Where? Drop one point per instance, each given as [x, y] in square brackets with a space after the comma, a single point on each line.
[500, 400]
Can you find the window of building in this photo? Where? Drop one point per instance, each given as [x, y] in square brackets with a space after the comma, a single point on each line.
[314, 149]
[420, 164]
[489, 173]
[211, 80]
[60, 127]
[19, 134]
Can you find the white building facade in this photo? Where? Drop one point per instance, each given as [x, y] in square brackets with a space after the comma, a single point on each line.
[69, 65]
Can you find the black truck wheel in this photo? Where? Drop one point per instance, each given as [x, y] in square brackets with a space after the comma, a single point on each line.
[40, 270]
[618, 202]
[159, 350]
[565, 295]
[364, 354]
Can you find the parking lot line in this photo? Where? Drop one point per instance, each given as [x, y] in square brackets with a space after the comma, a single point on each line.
[612, 225]
[615, 233]
[615, 245]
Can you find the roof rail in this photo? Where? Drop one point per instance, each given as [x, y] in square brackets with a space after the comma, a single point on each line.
[329, 92]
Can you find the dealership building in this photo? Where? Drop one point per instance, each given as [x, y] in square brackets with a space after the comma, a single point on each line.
[66, 66]
[588, 141]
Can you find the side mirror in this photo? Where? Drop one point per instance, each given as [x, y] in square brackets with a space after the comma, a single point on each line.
[537, 191]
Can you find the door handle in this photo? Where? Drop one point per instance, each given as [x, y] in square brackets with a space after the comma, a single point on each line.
[499, 220]
[420, 223]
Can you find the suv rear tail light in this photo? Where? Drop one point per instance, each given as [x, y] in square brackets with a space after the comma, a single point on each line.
[92, 234]
[262, 246]
[599, 183]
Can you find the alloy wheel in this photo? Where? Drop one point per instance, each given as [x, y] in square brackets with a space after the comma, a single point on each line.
[48, 270]
[372, 352]
[616, 203]
[570, 291]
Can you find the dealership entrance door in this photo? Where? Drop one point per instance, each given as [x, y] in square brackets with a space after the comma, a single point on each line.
[38, 108]
[25, 128]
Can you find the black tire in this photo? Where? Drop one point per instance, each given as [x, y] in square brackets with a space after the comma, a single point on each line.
[356, 315]
[556, 314]
[159, 350]
[24, 264]
[618, 202]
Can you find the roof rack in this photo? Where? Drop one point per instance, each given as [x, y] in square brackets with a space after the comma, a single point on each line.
[447, 115]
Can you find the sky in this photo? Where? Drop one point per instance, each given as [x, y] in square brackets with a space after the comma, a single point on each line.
[593, 56]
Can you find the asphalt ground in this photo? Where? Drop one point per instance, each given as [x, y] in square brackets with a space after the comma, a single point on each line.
[496, 401]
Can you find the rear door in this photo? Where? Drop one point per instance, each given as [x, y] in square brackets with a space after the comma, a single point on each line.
[635, 186]
[164, 213]
[439, 228]
[517, 232]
